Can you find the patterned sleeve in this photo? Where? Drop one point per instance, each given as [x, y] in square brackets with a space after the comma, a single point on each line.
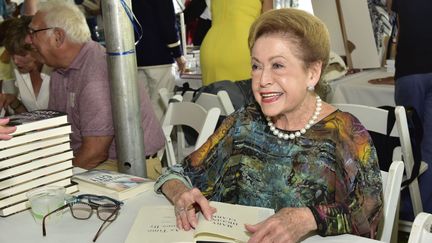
[358, 200]
[198, 168]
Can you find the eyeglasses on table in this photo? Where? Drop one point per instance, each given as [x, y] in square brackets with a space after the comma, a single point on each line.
[82, 207]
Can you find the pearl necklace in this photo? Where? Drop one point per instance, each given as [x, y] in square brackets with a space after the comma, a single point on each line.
[298, 133]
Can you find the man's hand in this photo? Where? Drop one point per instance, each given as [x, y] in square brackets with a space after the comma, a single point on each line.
[181, 64]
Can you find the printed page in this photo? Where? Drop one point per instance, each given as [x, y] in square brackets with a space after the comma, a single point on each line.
[229, 221]
[157, 225]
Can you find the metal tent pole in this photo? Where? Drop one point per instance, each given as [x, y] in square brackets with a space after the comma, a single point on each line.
[125, 100]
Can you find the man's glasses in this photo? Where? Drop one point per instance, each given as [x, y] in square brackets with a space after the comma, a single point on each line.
[82, 207]
[32, 31]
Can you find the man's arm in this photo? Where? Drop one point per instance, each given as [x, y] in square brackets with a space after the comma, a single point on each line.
[93, 151]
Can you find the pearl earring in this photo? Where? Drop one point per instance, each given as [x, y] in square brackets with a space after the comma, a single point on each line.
[310, 88]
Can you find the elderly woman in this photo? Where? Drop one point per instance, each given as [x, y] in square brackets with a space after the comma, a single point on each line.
[32, 77]
[290, 151]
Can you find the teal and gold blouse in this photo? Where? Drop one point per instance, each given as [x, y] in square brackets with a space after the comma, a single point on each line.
[332, 169]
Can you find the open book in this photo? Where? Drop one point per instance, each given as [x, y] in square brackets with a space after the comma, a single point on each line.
[158, 224]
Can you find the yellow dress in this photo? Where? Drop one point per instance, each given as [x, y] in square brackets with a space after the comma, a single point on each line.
[224, 53]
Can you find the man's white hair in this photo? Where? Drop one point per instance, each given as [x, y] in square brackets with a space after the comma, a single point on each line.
[67, 16]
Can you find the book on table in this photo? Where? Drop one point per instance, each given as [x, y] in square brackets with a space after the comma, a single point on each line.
[157, 224]
[36, 120]
[38, 154]
[113, 184]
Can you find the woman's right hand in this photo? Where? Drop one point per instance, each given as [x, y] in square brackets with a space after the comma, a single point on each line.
[186, 201]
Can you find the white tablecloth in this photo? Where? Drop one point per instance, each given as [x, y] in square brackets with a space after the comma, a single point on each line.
[21, 228]
[355, 89]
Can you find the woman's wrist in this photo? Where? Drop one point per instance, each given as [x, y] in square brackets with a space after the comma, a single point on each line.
[173, 189]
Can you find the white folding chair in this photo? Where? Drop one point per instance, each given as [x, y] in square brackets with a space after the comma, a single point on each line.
[220, 100]
[207, 100]
[406, 154]
[375, 119]
[421, 229]
[190, 114]
[391, 187]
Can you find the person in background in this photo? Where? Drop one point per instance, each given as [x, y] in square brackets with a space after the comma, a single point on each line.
[5, 130]
[80, 84]
[32, 78]
[158, 48]
[6, 70]
[224, 53]
[290, 151]
[92, 10]
[3, 10]
[10, 8]
[413, 78]
[198, 20]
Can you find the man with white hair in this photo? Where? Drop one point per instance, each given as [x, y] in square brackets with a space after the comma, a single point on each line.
[80, 84]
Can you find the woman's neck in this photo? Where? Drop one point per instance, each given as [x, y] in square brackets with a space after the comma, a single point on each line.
[36, 80]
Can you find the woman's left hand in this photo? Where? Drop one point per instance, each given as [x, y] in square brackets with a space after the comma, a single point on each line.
[288, 225]
[5, 130]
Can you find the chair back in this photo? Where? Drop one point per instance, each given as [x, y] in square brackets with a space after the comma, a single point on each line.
[220, 100]
[391, 187]
[421, 229]
[375, 120]
[409, 159]
[189, 114]
[208, 100]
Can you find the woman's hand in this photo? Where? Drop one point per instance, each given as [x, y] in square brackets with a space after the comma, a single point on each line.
[5, 130]
[185, 202]
[288, 225]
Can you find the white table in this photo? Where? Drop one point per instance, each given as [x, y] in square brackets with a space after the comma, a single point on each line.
[355, 89]
[21, 228]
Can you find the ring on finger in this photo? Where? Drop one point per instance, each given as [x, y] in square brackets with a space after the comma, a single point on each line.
[179, 210]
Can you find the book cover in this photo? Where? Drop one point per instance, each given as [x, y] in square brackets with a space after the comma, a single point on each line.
[113, 184]
[157, 224]
[35, 120]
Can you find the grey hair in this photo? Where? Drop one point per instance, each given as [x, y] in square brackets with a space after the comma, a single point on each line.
[67, 16]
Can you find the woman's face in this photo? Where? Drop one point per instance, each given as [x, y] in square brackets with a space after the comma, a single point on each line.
[25, 62]
[279, 78]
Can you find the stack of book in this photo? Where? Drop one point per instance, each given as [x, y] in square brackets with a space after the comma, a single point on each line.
[39, 154]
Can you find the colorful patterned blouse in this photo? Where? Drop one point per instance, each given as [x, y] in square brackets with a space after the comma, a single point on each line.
[332, 169]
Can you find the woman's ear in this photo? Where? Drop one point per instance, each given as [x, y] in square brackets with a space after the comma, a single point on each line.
[314, 72]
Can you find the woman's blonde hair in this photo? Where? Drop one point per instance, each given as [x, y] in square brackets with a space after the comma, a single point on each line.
[308, 34]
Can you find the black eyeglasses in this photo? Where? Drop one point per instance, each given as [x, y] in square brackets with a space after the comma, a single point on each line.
[82, 207]
[32, 32]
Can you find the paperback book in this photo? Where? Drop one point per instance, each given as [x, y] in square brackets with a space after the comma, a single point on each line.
[157, 224]
[35, 120]
[113, 184]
